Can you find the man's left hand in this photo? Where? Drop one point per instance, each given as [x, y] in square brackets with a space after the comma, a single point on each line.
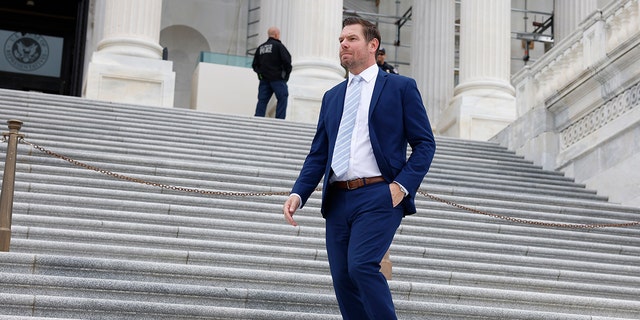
[396, 194]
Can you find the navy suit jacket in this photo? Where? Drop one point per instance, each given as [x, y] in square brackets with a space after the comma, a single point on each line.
[397, 116]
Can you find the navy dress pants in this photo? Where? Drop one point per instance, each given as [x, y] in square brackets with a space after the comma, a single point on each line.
[360, 225]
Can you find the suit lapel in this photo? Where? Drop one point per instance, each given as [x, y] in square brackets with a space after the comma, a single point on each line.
[377, 90]
[373, 137]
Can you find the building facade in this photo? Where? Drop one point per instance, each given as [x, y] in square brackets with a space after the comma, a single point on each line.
[556, 81]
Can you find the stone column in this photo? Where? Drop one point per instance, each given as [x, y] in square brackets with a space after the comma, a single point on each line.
[484, 100]
[567, 15]
[127, 65]
[275, 13]
[433, 53]
[310, 30]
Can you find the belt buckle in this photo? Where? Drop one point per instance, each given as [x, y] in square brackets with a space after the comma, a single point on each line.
[349, 184]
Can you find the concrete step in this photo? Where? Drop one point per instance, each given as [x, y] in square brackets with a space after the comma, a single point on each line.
[544, 258]
[228, 221]
[89, 241]
[214, 194]
[70, 307]
[115, 129]
[96, 187]
[546, 196]
[17, 317]
[172, 293]
[277, 233]
[415, 225]
[50, 167]
[104, 309]
[544, 278]
[125, 282]
[216, 146]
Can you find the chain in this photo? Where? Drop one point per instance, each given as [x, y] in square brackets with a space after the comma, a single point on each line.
[285, 193]
[532, 222]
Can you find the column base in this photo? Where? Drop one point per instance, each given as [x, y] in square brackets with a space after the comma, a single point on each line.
[305, 94]
[235, 93]
[477, 115]
[128, 79]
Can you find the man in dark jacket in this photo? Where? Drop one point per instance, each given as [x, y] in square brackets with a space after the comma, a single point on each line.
[386, 67]
[272, 63]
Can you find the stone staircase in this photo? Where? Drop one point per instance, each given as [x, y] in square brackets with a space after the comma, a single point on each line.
[89, 245]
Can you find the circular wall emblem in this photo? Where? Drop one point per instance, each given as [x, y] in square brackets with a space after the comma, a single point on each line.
[26, 51]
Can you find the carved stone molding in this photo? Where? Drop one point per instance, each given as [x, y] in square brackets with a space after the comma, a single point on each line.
[599, 117]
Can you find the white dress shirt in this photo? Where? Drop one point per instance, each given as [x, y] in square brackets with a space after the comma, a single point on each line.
[362, 162]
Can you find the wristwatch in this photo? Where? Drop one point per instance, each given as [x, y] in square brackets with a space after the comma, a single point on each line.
[406, 193]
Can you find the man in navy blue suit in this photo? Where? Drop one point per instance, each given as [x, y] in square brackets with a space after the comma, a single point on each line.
[364, 204]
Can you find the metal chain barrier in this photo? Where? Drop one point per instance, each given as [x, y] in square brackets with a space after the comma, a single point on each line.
[532, 222]
[285, 193]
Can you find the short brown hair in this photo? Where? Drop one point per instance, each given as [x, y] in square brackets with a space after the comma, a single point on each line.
[369, 29]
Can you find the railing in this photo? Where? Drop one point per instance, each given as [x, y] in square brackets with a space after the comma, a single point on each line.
[226, 59]
[8, 183]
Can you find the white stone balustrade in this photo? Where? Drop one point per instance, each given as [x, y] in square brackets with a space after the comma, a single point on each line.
[579, 106]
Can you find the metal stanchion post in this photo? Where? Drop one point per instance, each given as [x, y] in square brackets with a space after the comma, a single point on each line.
[8, 182]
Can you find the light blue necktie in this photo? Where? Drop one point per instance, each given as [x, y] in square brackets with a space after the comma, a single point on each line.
[342, 149]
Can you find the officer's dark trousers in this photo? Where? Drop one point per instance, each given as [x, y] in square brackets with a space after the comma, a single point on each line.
[265, 90]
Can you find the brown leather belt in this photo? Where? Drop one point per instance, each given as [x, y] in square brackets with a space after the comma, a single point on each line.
[357, 183]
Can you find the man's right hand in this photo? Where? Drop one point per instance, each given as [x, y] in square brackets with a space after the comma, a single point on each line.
[290, 206]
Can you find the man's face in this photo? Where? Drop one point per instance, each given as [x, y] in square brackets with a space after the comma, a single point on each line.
[356, 54]
[380, 58]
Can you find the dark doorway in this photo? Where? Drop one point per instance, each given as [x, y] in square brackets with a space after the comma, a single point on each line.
[43, 44]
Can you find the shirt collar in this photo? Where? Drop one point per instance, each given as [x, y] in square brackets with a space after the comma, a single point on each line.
[368, 74]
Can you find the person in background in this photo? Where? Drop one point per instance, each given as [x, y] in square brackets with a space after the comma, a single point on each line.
[360, 148]
[272, 63]
[382, 54]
